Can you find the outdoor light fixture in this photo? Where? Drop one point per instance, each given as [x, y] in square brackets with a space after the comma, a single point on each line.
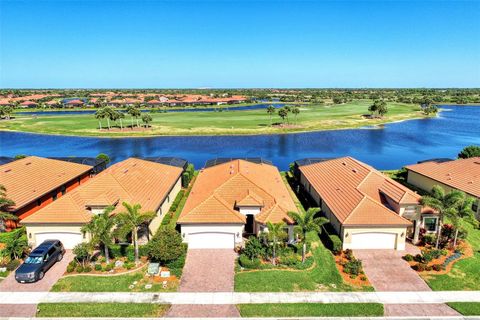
[183, 235]
[30, 235]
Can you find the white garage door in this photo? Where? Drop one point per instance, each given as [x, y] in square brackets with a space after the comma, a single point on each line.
[69, 239]
[373, 240]
[211, 240]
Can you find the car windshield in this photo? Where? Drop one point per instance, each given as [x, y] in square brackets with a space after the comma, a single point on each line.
[33, 260]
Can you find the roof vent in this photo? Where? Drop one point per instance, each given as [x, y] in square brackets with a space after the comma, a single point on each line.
[125, 171]
[344, 163]
[231, 171]
[8, 170]
[28, 163]
[354, 170]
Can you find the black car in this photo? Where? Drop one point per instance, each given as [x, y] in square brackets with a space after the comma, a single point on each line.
[39, 261]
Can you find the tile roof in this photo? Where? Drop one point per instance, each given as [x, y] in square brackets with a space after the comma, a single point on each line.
[132, 180]
[218, 189]
[29, 178]
[354, 192]
[461, 174]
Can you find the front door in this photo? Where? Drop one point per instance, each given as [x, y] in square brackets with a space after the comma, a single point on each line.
[249, 225]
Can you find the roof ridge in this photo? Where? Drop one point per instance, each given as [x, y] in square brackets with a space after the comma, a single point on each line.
[356, 207]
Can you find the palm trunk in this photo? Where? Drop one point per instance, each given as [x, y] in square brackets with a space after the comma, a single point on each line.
[455, 238]
[132, 123]
[100, 124]
[138, 125]
[121, 124]
[304, 249]
[106, 254]
[108, 123]
[274, 253]
[439, 234]
[135, 244]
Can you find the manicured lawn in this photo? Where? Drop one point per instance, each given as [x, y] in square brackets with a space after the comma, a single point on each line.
[466, 308]
[127, 310]
[311, 117]
[465, 274]
[311, 310]
[323, 277]
[119, 283]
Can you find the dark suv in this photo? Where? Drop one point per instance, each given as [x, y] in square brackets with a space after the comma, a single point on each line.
[39, 261]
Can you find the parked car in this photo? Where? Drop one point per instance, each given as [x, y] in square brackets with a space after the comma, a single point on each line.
[39, 261]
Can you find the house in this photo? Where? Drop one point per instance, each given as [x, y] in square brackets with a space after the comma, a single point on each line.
[28, 104]
[233, 198]
[152, 185]
[75, 103]
[461, 174]
[34, 182]
[366, 209]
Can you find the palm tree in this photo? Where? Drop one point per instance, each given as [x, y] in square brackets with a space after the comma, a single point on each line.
[295, 111]
[460, 215]
[100, 229]
[446, 205]
[131, 220]
[270, 111]
[100, 115]
[146, 118]
[16, 246]
[275, 233]
[134, 112]
[306, 223]
[5, 204]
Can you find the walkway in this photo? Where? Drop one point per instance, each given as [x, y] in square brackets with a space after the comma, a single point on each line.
[9, 284]
[387, 271]
[222, 298]
[207, 270]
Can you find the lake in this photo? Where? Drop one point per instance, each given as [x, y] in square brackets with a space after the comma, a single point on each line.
[389, 147]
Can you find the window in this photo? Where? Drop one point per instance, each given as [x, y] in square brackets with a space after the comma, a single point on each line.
[430, 224]
[475, 206]
[54, 195]
[64, 190]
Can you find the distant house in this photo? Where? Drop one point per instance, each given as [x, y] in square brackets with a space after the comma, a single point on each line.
[152, 185]
[75, 103]
[28, 104]
[233, 199]
[34, 182]
[461, 174]
[154, 103]
[367, 209]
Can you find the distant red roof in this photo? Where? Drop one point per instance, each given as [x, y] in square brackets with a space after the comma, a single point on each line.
[75, 102]
[28, 103]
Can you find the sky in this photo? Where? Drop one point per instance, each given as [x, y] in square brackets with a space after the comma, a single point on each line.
[233, 44]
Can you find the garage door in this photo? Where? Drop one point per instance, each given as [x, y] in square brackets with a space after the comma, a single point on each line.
[373, 240]
[69, 239]
[211, 240]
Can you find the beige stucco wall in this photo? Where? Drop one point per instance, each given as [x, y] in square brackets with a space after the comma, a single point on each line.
[165, 206]
[36, 228]
[427, 184]
[236, 229]
[347, 232]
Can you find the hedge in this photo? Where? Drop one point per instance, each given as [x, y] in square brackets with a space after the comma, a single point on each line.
[6, 236]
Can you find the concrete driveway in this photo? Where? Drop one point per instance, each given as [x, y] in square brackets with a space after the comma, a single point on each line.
[207, 270]
[9, 284]
[387, 271]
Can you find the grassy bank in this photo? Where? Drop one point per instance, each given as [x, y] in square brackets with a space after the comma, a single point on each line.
[311, 310]
[311, 118]
[126, 310]
[466, 308]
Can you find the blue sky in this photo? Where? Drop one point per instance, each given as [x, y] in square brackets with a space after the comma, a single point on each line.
[191, 44]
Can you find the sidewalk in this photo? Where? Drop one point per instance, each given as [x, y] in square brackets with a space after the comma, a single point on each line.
[418, 297]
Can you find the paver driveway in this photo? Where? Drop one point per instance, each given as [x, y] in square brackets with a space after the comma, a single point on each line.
[387, 271]
[50, 278]
[207, 270]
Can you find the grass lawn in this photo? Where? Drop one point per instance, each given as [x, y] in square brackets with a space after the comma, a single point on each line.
[118, 283]
[466, 308]
[311, 310]
[101, 310]
[465, 274]
[311, 117]
[323, 277]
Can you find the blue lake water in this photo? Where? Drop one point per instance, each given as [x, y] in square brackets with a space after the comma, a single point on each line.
[389, 147]
[188, 109]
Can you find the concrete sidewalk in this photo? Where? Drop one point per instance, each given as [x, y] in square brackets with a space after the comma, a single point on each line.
[274, 318]
[418, 297]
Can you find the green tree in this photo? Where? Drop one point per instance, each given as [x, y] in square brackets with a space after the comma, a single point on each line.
[469, 152]
[275, 234]
[100, 115]
[283, 113]
[253, 248]
[5, 204]
[134, 112]
[270, 111]
[82, 252]
[103, 156]
[461, 215]
[382, 108]
[100, 229]
[308, 222]
[16, 246]
[446, 204]
[165, 246]
[131, 220]
[296, 112]
[146, 119]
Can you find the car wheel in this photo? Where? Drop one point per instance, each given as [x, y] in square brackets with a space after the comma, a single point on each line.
[60, 257]
[40, 275]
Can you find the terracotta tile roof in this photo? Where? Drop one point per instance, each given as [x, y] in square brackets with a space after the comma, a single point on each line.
[77, 101]
[132, 180]
[354, 192]
[218, 189]
[461, 174]
[251, 199]
[28, 103]
[29, 178]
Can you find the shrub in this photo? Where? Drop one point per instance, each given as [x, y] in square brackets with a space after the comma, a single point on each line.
[253, 248]
[165, 246]
[128, 265]
[98, 267]
[420, 267]
[79, 269]
[70, 268]
[87, 269]
[12, 265]
[363, 278]
[437, 267]
[82, 252]
[290, 259]
[336, 243]
[248, 263]
[429, 238]
[353, 267]
[408, 257]
[418, 258]
[349, 254]
[73, 263]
